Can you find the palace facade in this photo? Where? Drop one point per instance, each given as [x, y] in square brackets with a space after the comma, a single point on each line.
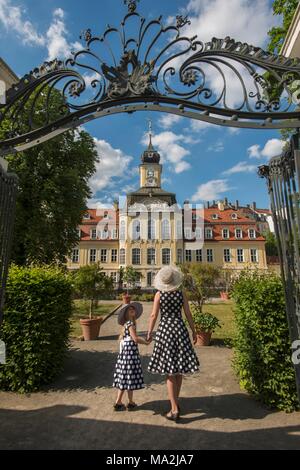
[149, 230]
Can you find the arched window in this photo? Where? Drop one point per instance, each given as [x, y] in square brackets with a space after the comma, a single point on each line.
[151, 229]
[165, 230]
[122, 256]
[123, 230]
[136, 230]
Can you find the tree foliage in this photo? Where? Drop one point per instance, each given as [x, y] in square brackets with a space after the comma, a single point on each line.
[285, 8]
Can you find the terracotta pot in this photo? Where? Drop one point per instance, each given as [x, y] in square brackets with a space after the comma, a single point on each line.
[203, 338]
[224, 295]
[90, 328]
[126, 298]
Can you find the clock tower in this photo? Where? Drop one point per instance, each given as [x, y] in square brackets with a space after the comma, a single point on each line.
[150, 168]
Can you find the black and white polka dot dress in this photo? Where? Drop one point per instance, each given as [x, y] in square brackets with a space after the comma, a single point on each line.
[128, 372]
[173, 352]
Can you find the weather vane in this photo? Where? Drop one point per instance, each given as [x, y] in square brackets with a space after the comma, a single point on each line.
[131, 5]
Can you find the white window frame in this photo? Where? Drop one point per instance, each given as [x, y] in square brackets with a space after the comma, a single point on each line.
[122, 230]
[198, 233]
[209, 231]
[93, 234]
[153, 262]
[162, 256]
[210, 255]
[234, 216]
[188, 256]
[256, 255]
[114, 255]
[87, 216]
[215, 216]
[95, 255]
[75, 258]
[199, 256]
[254, 233]
[151, 229]
[179, 255]
[137, 252]
[103, 255]
[136, 230]
[235, 232]
[188, 233]
[238, 258]
[122, 256]
[227, 251]
[228, 233]
[165, 229]
[115, 234]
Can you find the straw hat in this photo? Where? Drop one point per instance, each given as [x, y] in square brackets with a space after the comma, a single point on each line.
[122, 313]
[168, 278]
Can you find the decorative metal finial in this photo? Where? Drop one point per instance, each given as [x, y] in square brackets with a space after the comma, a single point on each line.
[182, 21]
[131, 5]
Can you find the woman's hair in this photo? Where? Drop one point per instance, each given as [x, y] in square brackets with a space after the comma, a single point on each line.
[126, 320]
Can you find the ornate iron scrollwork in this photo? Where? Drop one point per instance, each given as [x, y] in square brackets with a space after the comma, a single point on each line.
[222, 81]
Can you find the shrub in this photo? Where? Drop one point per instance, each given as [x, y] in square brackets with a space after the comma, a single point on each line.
[205, 321]
[36, 327]
[262, 358]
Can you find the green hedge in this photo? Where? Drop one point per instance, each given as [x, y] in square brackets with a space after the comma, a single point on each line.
[262, 358]
[36, 327]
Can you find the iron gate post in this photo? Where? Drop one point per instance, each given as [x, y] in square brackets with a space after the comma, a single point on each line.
[283, 180]
[8, 195]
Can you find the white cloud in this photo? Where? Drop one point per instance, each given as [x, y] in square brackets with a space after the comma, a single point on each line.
[272, 148]
[171, 149]
[216, 147]
[57, 43]
[54, 39]
[211, 190]
[99, 204]
[254, 151]
[12, 18]
[168, 120]
[241, 167]
[113, 164]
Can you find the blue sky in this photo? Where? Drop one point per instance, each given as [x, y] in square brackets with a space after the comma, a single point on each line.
[200, 162]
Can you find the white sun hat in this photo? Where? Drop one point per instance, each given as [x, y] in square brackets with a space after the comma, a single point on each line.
[168, 278]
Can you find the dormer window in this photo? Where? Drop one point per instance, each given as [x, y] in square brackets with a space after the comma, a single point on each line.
[238, 233]
[93, 234]
[79, 233]
[105, 215]
[215, 216]
[86, 216]
[208, 233]
[252, 233]
[225, 233]
[234, 216]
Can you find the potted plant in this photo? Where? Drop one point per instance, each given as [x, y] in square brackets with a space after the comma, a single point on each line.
[200, 281]
[90, 282]
[205, 325]
[227, 277]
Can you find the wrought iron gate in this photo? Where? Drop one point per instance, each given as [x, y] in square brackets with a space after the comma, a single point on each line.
[8, 194]
[283, 180]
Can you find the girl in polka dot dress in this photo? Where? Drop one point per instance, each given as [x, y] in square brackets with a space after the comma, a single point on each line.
[128, 374]
[173, 353]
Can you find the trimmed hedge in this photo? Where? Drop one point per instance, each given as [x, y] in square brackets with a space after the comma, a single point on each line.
[262, 358]
[36, 327]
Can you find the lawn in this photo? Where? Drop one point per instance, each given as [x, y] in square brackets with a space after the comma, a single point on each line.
[224, 312]
[81, 310]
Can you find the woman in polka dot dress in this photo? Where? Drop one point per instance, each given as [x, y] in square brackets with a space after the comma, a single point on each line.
[173, 353]
[128, 374]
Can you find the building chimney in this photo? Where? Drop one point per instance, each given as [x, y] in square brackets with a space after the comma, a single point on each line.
[207, 204]
[225, 202]
[214, 203]
[237, 204]
[253, 206]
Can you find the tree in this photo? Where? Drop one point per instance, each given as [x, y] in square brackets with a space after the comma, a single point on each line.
[130, 276]
[199, 281]
[277, 34]
[91, 282]
[271, 244]
[53, 190]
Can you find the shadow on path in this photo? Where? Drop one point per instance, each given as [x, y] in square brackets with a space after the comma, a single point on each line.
[61, 427]
[88, 370]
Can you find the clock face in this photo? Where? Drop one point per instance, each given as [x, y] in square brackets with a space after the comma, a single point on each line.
[150, 173]
[151, 182]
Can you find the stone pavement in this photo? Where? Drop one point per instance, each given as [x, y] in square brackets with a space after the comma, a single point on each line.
[76, 411]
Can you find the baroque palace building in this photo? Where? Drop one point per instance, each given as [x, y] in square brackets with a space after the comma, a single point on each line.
[148, 230]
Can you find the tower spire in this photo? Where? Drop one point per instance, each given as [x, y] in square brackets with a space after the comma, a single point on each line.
[150, 147]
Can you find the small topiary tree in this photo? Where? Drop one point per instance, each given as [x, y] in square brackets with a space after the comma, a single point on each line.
[35, 327]
[262, 357]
